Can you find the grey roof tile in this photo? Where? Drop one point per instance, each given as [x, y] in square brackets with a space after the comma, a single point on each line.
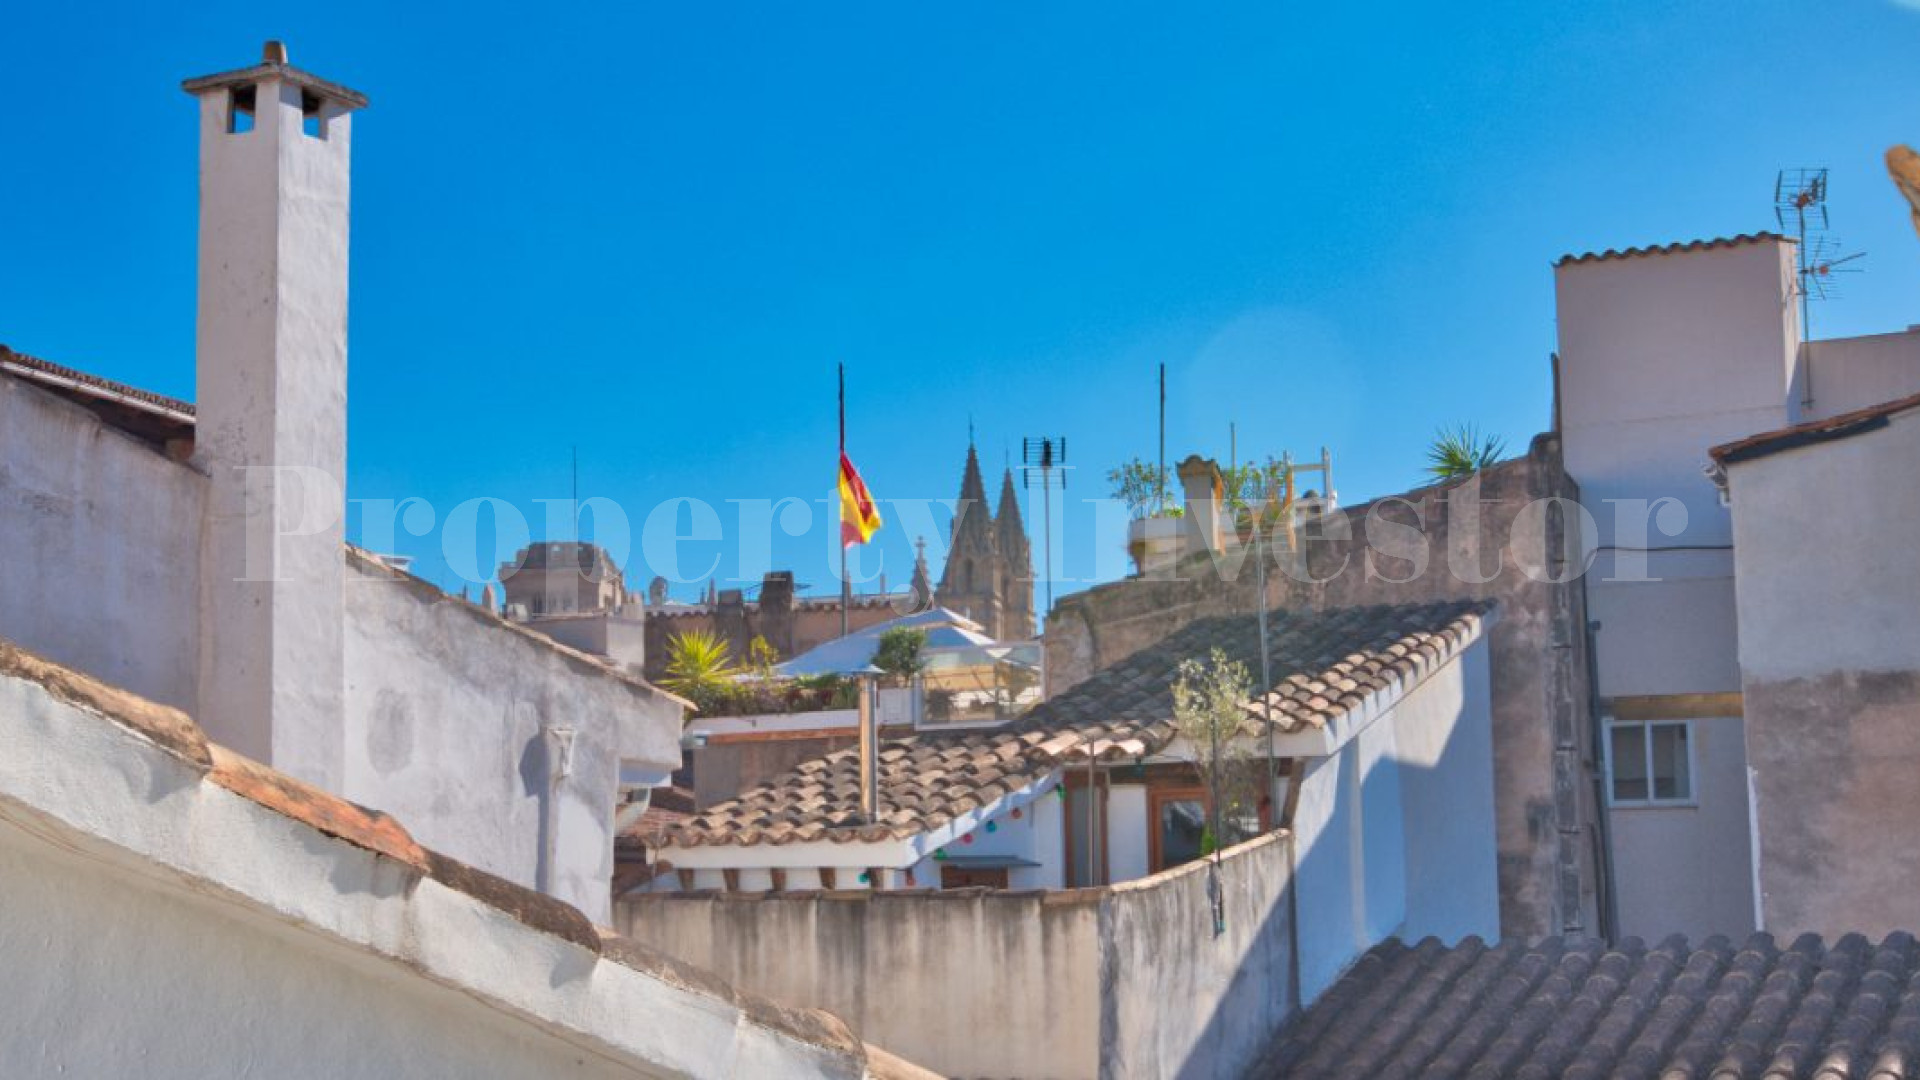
[1849, 1010]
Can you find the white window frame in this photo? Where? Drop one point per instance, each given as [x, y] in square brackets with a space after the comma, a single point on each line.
[1651, 801]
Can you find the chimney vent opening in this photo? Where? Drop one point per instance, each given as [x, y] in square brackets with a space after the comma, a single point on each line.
[312, 121]
[240, 103]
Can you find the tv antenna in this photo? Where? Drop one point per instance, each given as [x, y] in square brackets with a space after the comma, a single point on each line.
[1800, 206]
[1044, 458]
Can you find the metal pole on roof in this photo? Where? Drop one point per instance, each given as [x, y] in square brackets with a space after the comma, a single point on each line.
[846, 587]
[869, 718]
[1160, 480]
[1266, 660]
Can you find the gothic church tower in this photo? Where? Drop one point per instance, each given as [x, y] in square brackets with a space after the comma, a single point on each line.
[989, 571]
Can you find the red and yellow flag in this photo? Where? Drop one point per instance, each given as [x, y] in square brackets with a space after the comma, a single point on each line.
[859, 517]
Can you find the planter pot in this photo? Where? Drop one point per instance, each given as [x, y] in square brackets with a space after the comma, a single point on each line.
[1154, 544]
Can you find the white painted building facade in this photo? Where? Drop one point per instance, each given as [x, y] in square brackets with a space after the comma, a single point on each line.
[1665, 353]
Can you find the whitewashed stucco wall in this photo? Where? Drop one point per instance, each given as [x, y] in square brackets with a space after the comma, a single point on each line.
[1827, 579]
[445, 711]
[1445, 746]
[1844, 374]
[1396, 829]
[1688, 869]
[102, 538]
[1663, 357]
[156, 924]
[112, 975]
[444, 704]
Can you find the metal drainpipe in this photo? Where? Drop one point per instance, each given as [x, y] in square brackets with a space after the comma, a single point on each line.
[1603, 824]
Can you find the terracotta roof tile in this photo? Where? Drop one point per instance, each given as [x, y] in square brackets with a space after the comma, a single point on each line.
[138, 412]
[1572, 1009]
[1673, 248]
[1125, 711]
[277, 791]
[1833, 427]
[166, 727]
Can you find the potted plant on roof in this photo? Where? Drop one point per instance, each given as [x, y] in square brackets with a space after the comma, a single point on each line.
[1153, 519]
[1255, 494]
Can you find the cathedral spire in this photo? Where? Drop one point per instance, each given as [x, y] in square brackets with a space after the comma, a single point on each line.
[1016, 565]
[922, 586]
[1009, 531]
[968, 579]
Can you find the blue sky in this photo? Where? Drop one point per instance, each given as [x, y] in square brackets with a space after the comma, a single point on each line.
[650, 231]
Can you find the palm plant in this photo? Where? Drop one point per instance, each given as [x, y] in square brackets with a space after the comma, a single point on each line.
[899, 654]
[699, 667]
[1461, 452]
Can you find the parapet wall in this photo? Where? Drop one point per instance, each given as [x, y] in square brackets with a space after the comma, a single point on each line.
[1124, 981]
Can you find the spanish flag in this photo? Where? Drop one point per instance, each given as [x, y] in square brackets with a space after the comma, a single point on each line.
[859, 517]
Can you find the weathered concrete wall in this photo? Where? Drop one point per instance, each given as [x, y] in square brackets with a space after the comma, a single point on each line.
[1834, 761]
[446, 704]
[1181, 1001]
[1542, 717]
[102, 534]
[1830, 655]
[969, 984]
[1124, 981]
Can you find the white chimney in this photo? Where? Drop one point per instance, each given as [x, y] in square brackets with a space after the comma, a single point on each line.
[1206, 507]
[272, 387]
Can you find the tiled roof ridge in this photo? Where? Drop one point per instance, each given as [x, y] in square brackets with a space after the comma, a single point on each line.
[1832, 427]
[1575, 1007]
[1674, 248]
[183, 411]
[180, 737]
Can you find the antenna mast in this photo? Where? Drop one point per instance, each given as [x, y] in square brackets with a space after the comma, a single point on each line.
[1800, 206]
[1045, 456]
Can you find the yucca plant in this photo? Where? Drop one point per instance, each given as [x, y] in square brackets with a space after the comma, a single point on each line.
[1461, 452]
[699, 667]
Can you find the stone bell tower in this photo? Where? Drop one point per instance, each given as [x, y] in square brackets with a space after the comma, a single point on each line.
[271, 380]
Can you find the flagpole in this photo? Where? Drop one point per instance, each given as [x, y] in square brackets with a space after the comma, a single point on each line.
[846, 586]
